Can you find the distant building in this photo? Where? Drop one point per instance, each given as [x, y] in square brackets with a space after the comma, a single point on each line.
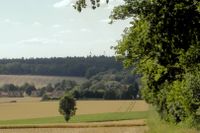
[55, 94]
[3, 94]
[15, 94]
[11, 94]
[36, 93]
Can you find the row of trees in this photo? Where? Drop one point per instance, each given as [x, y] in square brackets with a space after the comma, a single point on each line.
[69, 66]
[27, 89]
[12, 90]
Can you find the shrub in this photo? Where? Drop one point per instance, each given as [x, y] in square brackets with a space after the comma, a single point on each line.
[45, 97]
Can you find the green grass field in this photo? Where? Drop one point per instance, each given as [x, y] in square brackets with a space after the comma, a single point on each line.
[79, 118]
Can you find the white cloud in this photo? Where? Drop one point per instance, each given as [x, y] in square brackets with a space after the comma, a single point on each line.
[109, 7]
[103, 2]
[112, 4]
[65, 31]
[105, 20]
[39, 41]
[71, 20]
[56, 26]
[61, 33]
[36, 24]
[9, 21]
[85, 30]
[63, 3]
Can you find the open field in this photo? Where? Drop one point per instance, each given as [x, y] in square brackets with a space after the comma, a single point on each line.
[38, 81]
[103, 117]
[78, 130]
[31, 115]
[19, 99]
[25, 109]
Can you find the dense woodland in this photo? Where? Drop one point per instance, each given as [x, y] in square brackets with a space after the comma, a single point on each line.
[69, 66]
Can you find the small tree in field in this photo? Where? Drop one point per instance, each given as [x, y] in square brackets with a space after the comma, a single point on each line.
[67, 106]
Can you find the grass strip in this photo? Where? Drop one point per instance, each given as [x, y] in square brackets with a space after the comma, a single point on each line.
[79, 118]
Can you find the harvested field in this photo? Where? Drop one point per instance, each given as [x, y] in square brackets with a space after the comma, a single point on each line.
[25, 109]
[126, 126]
[121, 123]
[78, 130]
[38, 81]
[19, 99]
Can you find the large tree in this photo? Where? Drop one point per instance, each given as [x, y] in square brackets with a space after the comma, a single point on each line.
[163, 44]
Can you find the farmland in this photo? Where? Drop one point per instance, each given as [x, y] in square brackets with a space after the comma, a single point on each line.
[37, 109]
[103, 116]
[31, 111]
[38, 81]
[79, 130]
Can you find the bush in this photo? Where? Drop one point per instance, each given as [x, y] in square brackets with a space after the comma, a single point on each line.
[156, 125]
[67, 106]
[45, 97]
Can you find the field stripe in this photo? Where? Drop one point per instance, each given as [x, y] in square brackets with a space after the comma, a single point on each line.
[78, 119]
[89, 125]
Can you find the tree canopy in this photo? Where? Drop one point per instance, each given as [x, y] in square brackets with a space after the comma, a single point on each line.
[163, 44]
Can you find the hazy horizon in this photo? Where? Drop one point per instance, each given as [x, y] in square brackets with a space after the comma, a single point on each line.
[52, 28]
[57, 57]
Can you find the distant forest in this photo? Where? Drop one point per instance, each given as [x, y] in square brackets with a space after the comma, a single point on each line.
[106, 78]
[68, 66]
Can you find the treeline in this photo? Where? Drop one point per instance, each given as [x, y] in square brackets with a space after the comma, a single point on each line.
[53, 91]
[110, 85]
[68, 66]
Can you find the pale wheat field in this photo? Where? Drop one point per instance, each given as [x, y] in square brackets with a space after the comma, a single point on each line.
[79, 130]
[38, 81]
[26, 108]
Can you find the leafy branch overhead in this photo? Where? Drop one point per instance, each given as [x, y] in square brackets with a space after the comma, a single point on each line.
[80, 4]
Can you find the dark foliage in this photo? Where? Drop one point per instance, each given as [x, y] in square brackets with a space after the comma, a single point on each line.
[67, 106]
[69, 66]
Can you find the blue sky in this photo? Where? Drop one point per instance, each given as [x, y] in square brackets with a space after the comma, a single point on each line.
[52, 28]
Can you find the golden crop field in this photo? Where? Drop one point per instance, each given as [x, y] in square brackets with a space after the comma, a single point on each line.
[79, 130]
[32, 107]
[38, 81]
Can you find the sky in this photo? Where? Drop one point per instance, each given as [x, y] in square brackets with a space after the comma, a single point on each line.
[52, 28]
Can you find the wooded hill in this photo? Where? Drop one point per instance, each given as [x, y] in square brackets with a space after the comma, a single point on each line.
[68, 66]
[110, 85]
